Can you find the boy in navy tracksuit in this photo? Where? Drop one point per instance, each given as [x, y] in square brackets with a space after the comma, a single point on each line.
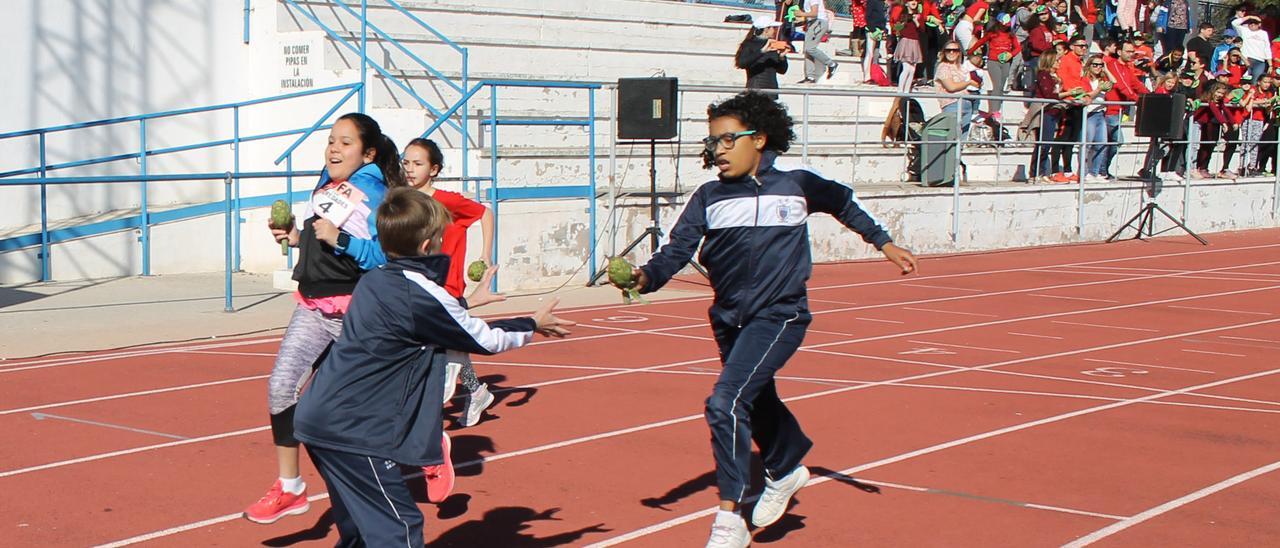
[755, 247]
[375, 401]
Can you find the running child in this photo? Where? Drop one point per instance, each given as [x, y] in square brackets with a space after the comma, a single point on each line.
[375, 400]
[422, 164]
[751, 223]
[338, 242]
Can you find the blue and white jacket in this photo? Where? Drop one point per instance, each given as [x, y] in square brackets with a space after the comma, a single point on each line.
[755, 239]
[324, 271]
[378, 392]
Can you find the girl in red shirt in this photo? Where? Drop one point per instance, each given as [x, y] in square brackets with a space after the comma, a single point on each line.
[422, 163]
[1236, 111]
[907, 21]
[1211, 118]
[1002, 49]
[1260, 101]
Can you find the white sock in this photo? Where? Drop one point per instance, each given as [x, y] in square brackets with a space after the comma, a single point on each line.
[293, 485]
[728, 517]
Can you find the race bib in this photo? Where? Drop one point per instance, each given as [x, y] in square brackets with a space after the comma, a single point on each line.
[337, 203]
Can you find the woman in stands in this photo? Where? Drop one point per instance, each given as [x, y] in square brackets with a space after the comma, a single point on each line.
[761, 54]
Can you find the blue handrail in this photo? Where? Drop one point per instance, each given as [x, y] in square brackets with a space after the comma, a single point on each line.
[145, 219]
[175, 112]
[365, 61]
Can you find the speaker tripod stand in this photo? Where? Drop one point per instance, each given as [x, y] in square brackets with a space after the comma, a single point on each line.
[1145, 219]
[652, 232]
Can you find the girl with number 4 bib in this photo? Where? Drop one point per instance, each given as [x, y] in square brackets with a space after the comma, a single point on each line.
[337, 243]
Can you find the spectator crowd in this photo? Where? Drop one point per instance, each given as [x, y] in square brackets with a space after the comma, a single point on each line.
[1079, 55]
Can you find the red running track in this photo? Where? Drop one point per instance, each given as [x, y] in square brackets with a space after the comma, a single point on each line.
[1120, 394]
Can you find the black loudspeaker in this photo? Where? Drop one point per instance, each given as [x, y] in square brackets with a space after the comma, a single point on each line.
[1161, 115]
[647, 108]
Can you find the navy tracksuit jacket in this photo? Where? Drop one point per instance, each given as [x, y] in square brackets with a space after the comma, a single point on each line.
[375, 400]
[755, 247]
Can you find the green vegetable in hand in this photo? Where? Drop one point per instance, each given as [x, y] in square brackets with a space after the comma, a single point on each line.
[1004, 57]
[621, 274]
[282, 219]
[475, 270]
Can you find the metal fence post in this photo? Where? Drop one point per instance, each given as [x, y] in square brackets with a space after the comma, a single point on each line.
[955, 180]
[804, 150]
[145, 218]
[1080, 171]
[288, 189]
[591, 153]
[235, 143]
[226, 247]
[46, 273]
[364, 52]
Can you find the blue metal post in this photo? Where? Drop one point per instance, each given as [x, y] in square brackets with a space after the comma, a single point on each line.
[493, 171]
[364, 50]
[226, 247]
[465, 132]
[235, 143]
[45, 271]
[591, 160]
[288, 188]
[246, 21]
[145, 220]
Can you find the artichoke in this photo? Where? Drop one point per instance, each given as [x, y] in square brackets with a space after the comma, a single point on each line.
[282, 219]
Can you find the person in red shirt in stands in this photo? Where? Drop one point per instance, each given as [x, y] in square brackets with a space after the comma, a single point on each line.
[1128, 87]
[932, 35]
[1002, 49]
[1236, 107]
[1039, 40]
[1257, 128]
[907, 22]
[973, 17]
[1073, 88]
[1086, 15]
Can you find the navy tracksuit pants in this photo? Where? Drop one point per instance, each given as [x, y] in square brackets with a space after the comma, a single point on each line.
[744, 405]
[371, 505]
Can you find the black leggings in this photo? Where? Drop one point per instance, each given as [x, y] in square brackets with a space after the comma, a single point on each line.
[1267, 150]
[1233, 141]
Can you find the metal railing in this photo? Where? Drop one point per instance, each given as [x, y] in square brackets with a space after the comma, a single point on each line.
[229, 207]
[144, 220]
[968, 147]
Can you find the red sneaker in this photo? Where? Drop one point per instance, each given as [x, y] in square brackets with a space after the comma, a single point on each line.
[277, 504]
[440, 476]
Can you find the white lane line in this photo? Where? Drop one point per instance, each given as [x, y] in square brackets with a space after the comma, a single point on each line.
[221, 353]
[1198, 308]
[1126, 328]
[1248, 339]
[123, 452]
[935, 491]
[1034, 335]
[130, 394]
[1214, 353]
[1171, 506]
[138, 352]
[936, 311]
[926, 286]
[879, 320]
[26, 366]
[937, 448]
[1149, 365]
[1177, 274]
[1072, 298]
[229, 517]
[46, 416]
[1177, 271]
[1037, 376]
[963, 346]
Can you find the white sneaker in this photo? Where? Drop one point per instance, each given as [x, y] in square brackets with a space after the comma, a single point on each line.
[729, 531]
[477, 402]
[451, 371]
[773, 501]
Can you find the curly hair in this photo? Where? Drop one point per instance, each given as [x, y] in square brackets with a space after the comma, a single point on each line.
[760, 112]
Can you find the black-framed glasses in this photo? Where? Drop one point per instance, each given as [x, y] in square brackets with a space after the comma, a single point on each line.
[1079, 45]
[726, 140]
[951, 50]
[1096, 64]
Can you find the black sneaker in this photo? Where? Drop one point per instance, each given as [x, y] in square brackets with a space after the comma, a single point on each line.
[831, 69]
[807, 81]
